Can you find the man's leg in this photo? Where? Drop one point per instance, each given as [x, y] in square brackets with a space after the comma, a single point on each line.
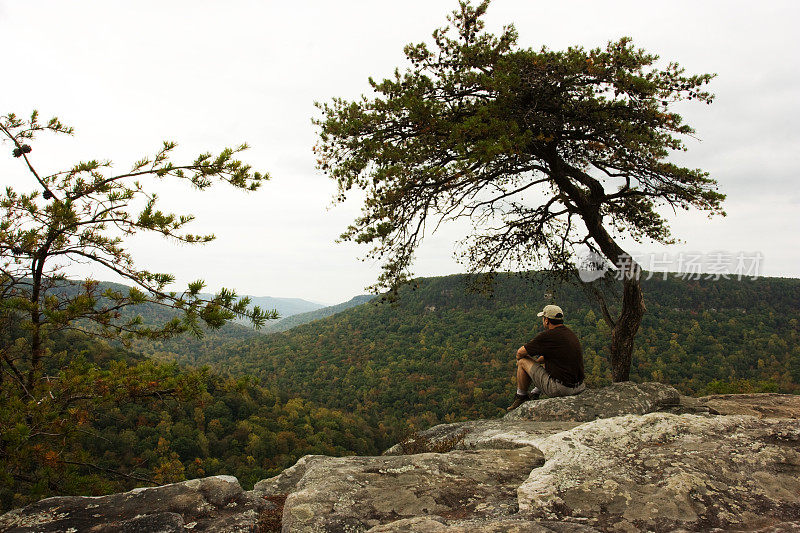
[548, 385]
[523, 384]
[523, 380]
[536, 375]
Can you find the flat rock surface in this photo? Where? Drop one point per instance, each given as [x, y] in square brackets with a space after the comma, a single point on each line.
[760, 405]
[213, 504]
[615, 400]
[663, 471]
[479, 434]
[437, 524]
[355, 494]
[286, 481]
[652, 472]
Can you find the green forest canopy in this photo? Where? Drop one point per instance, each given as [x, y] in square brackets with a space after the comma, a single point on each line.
[442, 353]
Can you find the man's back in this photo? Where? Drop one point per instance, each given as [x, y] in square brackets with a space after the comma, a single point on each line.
[562, 354]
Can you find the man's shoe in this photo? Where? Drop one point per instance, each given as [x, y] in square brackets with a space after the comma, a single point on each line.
[534, 395]
[518, 400]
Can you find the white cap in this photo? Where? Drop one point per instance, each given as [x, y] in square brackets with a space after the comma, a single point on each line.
[553, 312]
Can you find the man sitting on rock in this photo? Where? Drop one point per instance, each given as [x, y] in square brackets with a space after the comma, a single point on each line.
[553, 361]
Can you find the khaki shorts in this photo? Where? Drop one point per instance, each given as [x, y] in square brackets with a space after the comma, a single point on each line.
[548, 385]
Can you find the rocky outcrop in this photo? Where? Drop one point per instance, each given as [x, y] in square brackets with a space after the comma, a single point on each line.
[358, 493]
[663, 471]
[286, 481]
[614, 400]
[628, 457]
[502, 525]
[479, 434]
[760, 405]
[533, 420]
[213, 504]
[658, 471]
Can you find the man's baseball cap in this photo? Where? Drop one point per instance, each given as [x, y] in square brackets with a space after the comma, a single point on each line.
[552, 311]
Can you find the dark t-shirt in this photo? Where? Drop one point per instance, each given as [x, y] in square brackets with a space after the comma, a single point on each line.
[562, 353]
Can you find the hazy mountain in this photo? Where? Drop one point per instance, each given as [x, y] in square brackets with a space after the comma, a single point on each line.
[292, 321]
[285, 306]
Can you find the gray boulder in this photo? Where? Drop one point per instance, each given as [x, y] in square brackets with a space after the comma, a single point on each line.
[479, 434]
[760, 405]
[355, 494]
[212, 504]
[657, 469]
[286, 481]
[437, 524]
[541, 418]
[615, 400]
[662, 472]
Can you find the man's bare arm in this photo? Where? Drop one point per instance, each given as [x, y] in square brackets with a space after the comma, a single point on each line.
[522, 352]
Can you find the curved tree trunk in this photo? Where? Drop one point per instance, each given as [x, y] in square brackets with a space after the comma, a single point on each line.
[587, 204]
[626, 326]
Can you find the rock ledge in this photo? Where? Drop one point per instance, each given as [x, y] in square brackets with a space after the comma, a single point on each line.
[215, 504]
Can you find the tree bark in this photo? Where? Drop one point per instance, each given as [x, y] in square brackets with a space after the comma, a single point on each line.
[37, 346]
[626, 326]
[587, 206]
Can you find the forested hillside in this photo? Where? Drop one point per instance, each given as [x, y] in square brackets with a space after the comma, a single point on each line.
[113, 419]
[138, 422]
[154, 315]
[442, 353]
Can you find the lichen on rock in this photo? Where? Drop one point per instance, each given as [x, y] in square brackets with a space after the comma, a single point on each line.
[615, 400]
[197, 505]
[660, 471]
[358, 493]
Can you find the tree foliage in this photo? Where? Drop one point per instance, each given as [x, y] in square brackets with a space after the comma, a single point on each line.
[546, 153]
[135, 422]
[86, 214]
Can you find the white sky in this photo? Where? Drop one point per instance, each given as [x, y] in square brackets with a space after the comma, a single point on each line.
[128, 75]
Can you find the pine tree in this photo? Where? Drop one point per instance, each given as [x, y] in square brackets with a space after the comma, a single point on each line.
[545, 152]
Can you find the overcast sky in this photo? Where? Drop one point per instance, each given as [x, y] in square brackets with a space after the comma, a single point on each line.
[128, 75]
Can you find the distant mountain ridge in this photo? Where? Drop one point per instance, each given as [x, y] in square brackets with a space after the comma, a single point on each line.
[179, 347]
[286, 307]
[293, 312]
[289, 322]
